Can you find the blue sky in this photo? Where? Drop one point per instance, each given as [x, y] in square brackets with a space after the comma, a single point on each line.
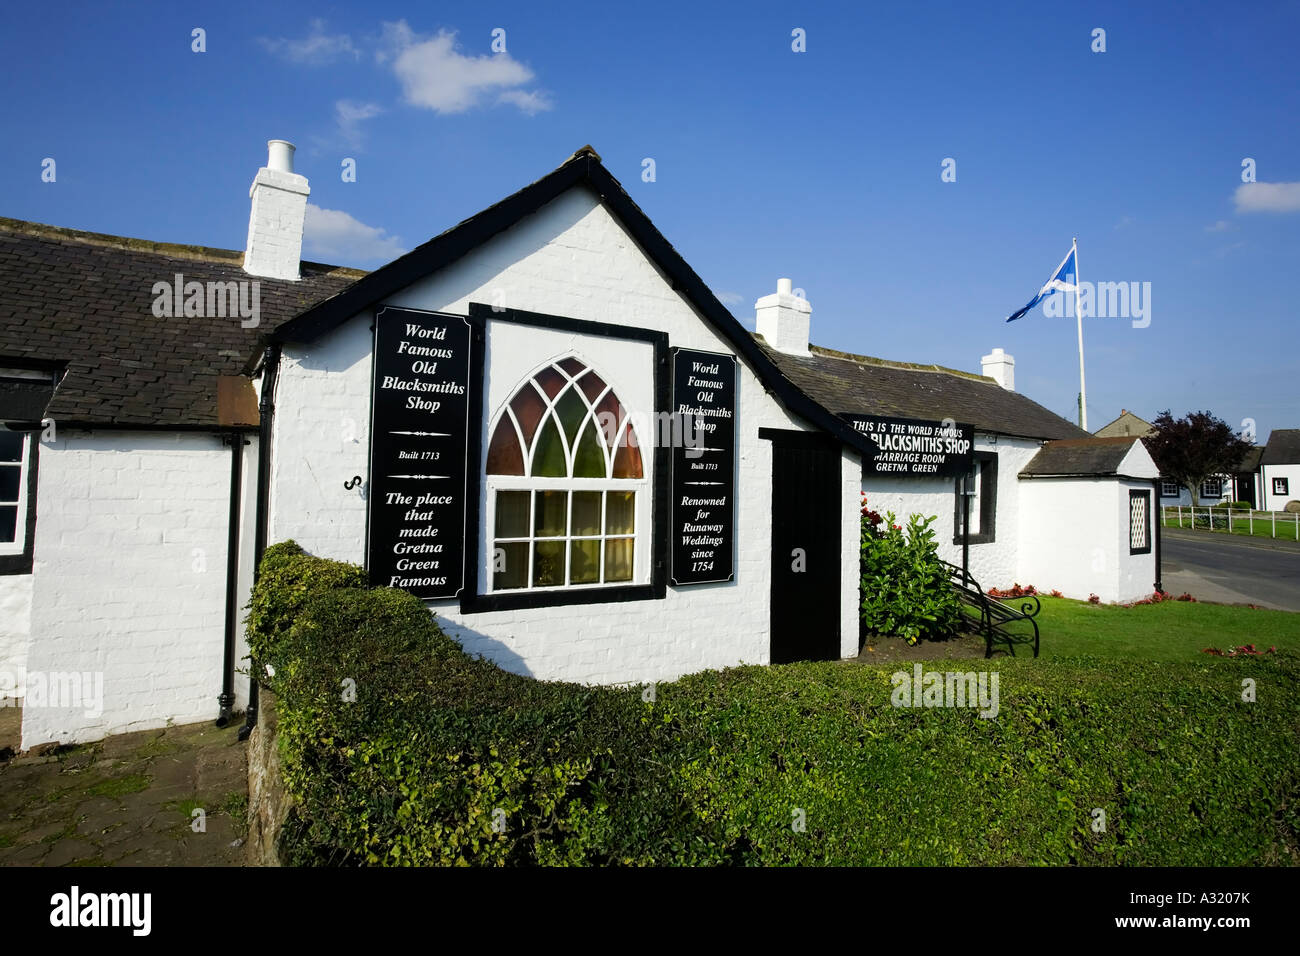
[821, 165]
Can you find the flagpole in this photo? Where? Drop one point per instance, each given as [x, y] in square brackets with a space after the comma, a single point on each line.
[1078, 315]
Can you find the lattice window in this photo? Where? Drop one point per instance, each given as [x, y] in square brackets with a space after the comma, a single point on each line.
[1139, 522]
[564, 473]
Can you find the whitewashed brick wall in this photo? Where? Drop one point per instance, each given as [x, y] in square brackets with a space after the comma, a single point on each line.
[995, 564]
[129, 579]
[573, 259]
[15, 629]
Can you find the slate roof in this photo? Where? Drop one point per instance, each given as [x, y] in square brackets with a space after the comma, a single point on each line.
[858, 384]
[87, 299]
[1250, 461]
[1283, 447]
[1090, 457]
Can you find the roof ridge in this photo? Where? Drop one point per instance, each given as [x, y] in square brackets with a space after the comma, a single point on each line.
[174, 250]
[891, 363]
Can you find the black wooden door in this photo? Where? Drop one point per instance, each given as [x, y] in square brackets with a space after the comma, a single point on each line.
[1246, 489]
[806, 559]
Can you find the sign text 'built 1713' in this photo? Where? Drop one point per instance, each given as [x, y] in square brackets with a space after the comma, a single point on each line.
[418, 430]
[703, 522]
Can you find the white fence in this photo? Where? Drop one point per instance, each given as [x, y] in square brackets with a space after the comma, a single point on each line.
[1272, 523]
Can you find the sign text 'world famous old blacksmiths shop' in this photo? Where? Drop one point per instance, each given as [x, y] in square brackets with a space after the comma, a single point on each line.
[703, 523]
[419, 425]
[912, 447]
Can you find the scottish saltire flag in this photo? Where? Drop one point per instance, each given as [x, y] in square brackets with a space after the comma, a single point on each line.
[1062, 280]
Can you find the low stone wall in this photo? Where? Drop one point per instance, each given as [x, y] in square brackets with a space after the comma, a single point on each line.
[268, 801]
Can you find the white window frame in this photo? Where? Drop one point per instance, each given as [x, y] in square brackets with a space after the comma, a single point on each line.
[19, 544]
[1209, 494]
[1166, 484]
[642, 532]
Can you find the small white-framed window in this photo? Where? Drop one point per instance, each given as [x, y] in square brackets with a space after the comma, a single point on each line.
[1169, 488]
[567, 489]
[1281, 486]
[15, 460]
[1212, 488]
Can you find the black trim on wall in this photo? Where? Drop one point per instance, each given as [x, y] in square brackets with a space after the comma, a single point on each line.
[988, 465]
[1133, 493]
[1159, 584]
[472, 600]
[22, 563]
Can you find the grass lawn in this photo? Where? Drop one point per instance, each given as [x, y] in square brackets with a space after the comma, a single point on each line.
[1172, 630]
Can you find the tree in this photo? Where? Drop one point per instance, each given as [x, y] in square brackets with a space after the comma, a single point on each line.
[1195, 447]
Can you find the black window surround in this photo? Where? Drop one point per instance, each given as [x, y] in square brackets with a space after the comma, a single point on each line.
[1212, 488]
[1281, 486]
[472, 599]
[22, 563]
[1169, 489]
[987, 463]
[1146, 516]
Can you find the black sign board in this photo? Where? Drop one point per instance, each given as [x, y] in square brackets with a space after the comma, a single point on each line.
[911, 447]
[703, 522]
[419, 424]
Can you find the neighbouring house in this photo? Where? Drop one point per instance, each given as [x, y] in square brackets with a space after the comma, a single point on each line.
[1279, 470]
[1126, 424]
[1237, 485]
[541, 422]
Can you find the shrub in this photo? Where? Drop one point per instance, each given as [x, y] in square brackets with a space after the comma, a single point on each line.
[400, 749]
[287, 578]
[905, 588]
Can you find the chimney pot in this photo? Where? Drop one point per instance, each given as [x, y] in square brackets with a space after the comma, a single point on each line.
[279, 155]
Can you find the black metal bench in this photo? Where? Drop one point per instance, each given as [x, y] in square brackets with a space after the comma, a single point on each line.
[994, 618]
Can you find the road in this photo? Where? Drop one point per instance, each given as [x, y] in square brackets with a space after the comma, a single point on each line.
[1231, 569]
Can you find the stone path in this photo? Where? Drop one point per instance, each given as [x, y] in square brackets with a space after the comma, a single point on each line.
[128, 801]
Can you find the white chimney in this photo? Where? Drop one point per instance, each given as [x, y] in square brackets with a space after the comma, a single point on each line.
[1000, 367]
[783, 319]
[279, 197]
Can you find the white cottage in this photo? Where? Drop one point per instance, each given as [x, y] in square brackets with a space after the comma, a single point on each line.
[495, 422]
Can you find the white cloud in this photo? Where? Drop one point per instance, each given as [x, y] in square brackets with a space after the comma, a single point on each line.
[1221, 226]
[316, 48]
[350, 115]
[337, 237]
[530, 101]
[435, 76]
[1268, 197]
[729, 298]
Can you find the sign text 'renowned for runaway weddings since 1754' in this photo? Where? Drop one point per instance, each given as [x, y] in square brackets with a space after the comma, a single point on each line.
[703, 477]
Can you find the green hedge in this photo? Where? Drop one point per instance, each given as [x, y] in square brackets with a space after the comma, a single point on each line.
[718, 766]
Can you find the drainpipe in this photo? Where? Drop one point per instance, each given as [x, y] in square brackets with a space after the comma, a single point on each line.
[1157, 522]
[266, 411]
[226, 699]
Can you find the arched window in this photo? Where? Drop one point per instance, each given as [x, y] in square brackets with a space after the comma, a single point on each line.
[564, 481]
